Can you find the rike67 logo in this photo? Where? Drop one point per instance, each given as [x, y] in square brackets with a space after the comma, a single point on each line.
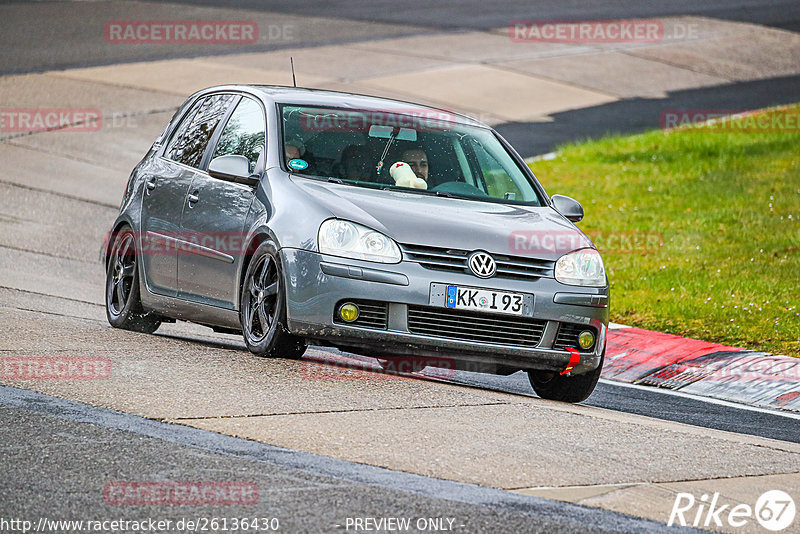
[774, 510]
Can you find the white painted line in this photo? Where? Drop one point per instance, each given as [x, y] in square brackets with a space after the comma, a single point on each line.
[789, 415]
[542, 157]
[615, 485]
[617, 326]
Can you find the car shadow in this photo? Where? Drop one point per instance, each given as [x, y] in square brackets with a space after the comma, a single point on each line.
[338, 362]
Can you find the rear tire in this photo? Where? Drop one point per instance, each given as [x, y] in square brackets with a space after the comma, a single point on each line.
[552, 386]
[123, 305]
[262, 308]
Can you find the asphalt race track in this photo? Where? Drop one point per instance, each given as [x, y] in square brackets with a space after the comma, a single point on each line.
[31, 46]
[330, 438]
[305, 492]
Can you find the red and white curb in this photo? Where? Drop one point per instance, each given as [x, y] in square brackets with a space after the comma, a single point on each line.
[700, 368]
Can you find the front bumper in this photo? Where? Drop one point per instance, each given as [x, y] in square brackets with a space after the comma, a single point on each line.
[316, 284]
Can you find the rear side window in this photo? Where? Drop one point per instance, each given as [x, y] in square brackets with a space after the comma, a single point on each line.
[244, 134]
[192, 137]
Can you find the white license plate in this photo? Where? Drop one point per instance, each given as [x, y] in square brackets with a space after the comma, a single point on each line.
[485, 300]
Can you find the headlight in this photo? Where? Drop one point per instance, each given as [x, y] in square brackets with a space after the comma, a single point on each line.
[351, 240]
[581, 268]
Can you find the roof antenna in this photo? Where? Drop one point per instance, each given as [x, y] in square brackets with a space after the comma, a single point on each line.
[291, 60]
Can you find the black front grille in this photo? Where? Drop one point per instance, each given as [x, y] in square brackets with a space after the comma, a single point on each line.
[371, 314]
[455, 260]
[567, 336]
[475, 326]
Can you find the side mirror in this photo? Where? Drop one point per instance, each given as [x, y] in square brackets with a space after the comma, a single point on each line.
[568, 207]
[233, 168]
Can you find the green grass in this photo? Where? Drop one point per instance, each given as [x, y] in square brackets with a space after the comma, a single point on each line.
[710, 230]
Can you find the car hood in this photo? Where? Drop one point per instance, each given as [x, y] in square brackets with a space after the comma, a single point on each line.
[415, 219]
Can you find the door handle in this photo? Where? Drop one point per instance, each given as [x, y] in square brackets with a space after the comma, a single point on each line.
[192, 198]
[150, 184]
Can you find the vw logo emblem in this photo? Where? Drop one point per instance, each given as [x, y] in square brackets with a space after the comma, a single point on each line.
[482, 265]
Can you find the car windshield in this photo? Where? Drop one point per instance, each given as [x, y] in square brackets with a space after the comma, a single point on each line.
[415, 152]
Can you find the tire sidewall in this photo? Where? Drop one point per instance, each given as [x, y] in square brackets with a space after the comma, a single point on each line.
[568, 388]
[130, 308]
[266, 345]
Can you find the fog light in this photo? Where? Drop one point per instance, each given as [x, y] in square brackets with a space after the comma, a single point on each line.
[585, 339]
[348, 312]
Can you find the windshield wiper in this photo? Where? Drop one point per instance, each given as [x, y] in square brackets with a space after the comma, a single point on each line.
[420, 191]
[369, 185]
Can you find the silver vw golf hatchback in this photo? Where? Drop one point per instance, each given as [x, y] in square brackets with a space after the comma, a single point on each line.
[379, 227]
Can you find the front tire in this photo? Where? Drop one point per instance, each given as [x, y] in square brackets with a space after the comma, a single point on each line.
[123, 305]
[262, 308]
[553, 386]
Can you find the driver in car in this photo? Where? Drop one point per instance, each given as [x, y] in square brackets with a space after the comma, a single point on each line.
[417, 159]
